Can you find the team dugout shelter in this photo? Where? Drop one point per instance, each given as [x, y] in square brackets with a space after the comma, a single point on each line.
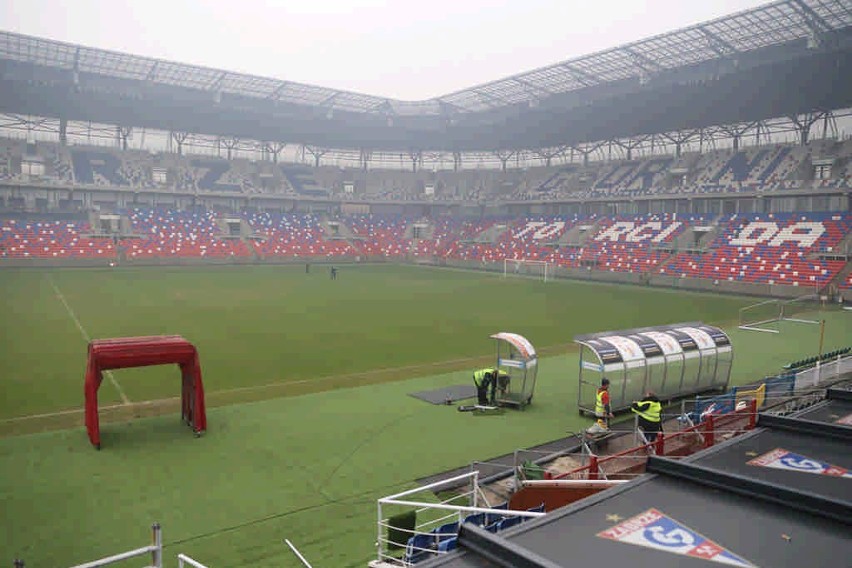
[673, 361]
[517, 359]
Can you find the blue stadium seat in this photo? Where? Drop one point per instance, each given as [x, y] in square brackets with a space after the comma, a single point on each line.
[448, 545]
[493, 517]
[420, 547]
[508, 523]
[446, 531]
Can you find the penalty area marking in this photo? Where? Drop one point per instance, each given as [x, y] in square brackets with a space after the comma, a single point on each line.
[88, 339]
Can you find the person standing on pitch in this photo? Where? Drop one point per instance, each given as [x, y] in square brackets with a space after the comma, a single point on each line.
[603, 410]
[333, 273]
[649, 411]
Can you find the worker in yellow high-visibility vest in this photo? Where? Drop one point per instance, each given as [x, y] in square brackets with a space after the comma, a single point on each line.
[649, 411]
[485, 379]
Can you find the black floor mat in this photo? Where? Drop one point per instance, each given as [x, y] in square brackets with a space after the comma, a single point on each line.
[443, 394]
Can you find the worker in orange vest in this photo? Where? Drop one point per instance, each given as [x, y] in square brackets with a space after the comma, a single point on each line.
[603, 411]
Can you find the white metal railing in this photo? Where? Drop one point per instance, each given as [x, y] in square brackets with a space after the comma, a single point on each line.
[155, 549]
[457, 511]
[183, 559]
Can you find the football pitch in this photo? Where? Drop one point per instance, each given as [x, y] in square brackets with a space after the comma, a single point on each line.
[307, 382]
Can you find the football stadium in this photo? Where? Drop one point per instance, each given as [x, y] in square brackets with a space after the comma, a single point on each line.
[597, 312]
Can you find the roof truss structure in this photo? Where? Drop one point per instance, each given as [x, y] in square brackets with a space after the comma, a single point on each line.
[772, 24]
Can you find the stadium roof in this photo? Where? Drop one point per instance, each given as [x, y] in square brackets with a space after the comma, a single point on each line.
[773, 24]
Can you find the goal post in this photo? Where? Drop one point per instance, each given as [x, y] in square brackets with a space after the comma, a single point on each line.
[755, 316]
[541, 269]
[797, 309]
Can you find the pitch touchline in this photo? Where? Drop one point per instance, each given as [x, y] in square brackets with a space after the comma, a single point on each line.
[85, 335]
[279, 385]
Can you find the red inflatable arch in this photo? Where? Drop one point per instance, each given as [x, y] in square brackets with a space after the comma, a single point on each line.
[126, 352]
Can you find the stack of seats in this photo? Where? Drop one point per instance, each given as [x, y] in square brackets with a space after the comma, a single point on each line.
[294, 236]
[785, 262]
[180, 234]
[51, 239]
[380, 235]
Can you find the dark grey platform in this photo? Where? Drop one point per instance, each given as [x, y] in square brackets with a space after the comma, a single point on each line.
[452, 393]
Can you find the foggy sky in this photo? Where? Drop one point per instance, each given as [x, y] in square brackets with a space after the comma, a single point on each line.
[404, 49]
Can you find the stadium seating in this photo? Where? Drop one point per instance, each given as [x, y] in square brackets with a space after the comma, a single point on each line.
[633, 177]
[522, 239]
[301, 179]
[717, 171]
[624, 244]
[420, 547]
[165, 233]
[11, 152]
[294, 236]
[770, 249]
[21, 239]
[381, 236]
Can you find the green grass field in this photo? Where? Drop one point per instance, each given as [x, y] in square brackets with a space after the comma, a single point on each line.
[307, 380]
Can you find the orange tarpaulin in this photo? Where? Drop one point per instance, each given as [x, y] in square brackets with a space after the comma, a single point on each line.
[126, 352]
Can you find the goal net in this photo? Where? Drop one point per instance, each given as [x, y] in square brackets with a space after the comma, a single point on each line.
[757, 316]
[799, 309]
[540, 269]
[761, 316]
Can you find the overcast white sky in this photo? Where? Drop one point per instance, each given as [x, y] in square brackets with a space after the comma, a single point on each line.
[403, 49]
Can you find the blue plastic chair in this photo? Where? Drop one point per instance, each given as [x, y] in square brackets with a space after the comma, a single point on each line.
[477, 519]
[509, 522]
[446, 531]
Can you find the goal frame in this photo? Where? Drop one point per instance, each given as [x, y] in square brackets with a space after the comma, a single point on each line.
[510, 264]
[788, 313]
[783, 312]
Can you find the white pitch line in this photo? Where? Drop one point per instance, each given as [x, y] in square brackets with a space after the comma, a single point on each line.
[85, 335]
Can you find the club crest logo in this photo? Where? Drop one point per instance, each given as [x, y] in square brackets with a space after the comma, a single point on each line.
[780, 458]
[653, 529]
